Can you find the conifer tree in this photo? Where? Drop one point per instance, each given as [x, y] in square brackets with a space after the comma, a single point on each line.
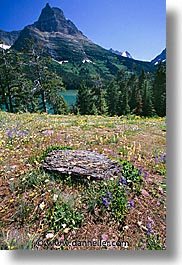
[83, 99]
[47, 84]
[123, 103]
[13, 90]
[112, 98]
[132, 88]
[159, 90]
[99, 105]
[148, 109]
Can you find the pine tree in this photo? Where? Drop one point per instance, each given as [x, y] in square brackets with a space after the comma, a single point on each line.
[83, 99]
[60, 106]
[123, 104]
[132, 90]
[112, 98]
[98, 100]
[139, 93]
[159, 90]
[47, 84]
[13, 89]
[148, 109]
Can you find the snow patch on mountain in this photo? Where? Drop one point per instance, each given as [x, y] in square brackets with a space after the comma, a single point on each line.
[161, 58]
[5, 47]
[125, 54]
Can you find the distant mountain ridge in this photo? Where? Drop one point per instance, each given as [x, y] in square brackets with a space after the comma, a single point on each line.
[63, 40]
[159, 58]
[74, 56]
[123, 54]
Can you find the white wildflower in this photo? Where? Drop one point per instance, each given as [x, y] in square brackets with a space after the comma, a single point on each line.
[55, 197]
[42, 206]
[49, 235]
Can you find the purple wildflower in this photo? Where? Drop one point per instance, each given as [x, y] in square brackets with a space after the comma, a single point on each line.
[11, 133]
[145, 174]
[149, 226]
[131, 203]
[156, 159]
[22, 133]
[123, 181]
[109, 194]
[163, 158]
[105, 202]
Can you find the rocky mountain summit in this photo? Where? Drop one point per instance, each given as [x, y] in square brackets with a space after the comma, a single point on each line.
[60, 37]
[123, 54]
[53, 20]
[161, 58]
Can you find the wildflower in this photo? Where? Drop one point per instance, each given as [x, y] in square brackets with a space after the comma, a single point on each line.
[126, 227]
[49, 235]
[105, 202]
[66, 230]
[42, 206]
[104, 237]
[156, 159]
[145, 193]
[163, 158]
[149, 226]
[55, 197]
[61, 238]
[10, 133]
[161, 190]
[47, 180]
[22, 133]
[131, 203]
[123, 181]
[64, 225]
[150, 220]
[109, 194]
[145, 174]
[48, 132]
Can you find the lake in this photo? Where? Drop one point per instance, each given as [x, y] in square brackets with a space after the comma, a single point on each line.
[70, 96]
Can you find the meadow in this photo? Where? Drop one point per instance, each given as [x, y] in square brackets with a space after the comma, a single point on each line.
[41, 210]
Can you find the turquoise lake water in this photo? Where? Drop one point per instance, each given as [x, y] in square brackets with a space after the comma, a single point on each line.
[69, 96]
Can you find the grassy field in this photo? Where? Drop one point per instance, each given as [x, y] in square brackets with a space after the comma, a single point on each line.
[41, 210]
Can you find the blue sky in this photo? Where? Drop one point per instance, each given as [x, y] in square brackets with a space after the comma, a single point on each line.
[138, 26]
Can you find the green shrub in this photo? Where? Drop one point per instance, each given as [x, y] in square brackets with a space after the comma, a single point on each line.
[132, 176]
[62, 215]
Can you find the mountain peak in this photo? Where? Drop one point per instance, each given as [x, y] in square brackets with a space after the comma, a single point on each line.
[53, 20]
[47, 6]
[160, 58]
[123, 54]
[126, 54]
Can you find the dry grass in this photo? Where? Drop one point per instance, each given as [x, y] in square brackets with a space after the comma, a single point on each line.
[24, 137]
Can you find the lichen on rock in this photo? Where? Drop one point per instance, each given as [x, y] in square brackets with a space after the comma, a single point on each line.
[81, 163]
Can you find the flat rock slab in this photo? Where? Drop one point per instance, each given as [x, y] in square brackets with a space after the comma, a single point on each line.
[82, 164]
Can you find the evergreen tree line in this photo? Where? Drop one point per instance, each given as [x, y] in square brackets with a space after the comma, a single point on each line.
[143, 95]
[27, 84]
